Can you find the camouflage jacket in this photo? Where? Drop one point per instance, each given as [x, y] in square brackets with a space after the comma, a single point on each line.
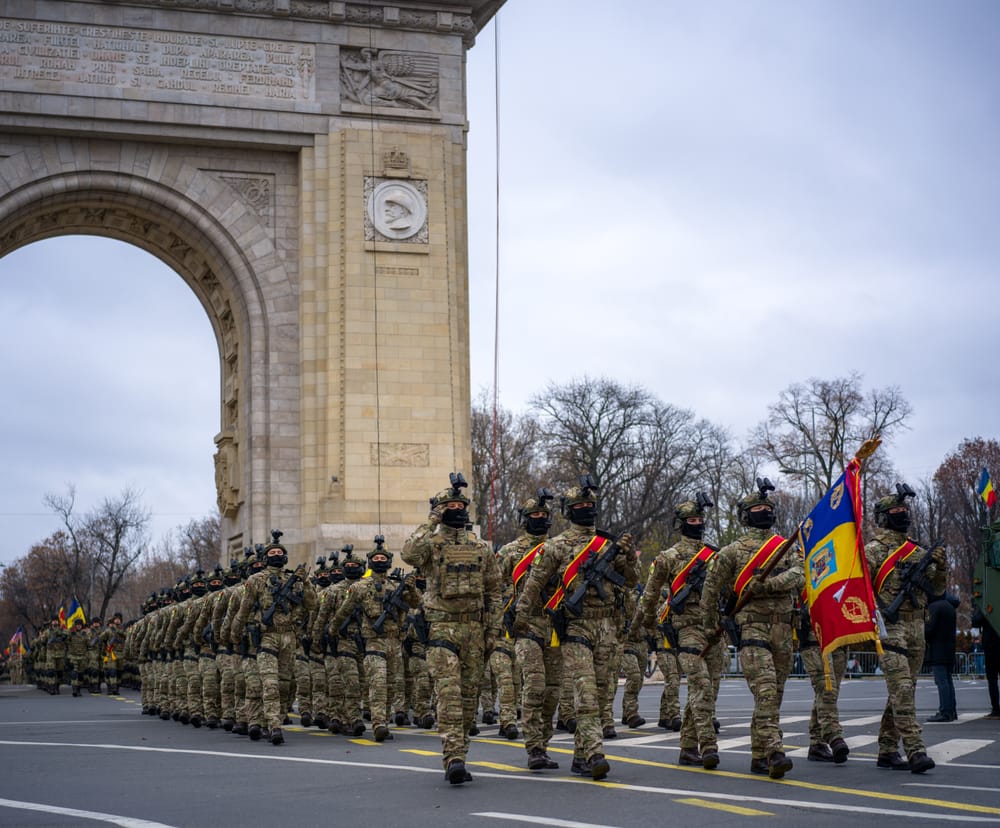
[369, 594]
[879, 547]
[259, 597]
[667, 565]
[777, 593]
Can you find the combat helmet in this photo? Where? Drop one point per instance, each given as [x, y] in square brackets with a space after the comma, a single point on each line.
[379, 549]
[586, 492]
[757, 520]
[538, 503]
[453, 518]
[689, 509]
[896, 521]
[272, 559]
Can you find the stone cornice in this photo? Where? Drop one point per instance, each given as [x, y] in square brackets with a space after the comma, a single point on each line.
[461, 17]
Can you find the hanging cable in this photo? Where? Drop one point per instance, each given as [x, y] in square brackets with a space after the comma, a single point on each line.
[491, 530]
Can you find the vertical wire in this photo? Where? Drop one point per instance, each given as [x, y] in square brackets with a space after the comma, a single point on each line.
[378, 408]
[496, 264]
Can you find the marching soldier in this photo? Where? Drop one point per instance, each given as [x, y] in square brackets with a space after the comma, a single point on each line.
[281, 604]
[765, 619]
[463, 608]
[895, 563]
[541, 662]
[589, 634]
[682, 569]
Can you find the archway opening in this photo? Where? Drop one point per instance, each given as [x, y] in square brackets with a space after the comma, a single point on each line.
[112, 379]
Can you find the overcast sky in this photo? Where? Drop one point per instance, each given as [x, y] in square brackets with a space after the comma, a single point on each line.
[712, 201]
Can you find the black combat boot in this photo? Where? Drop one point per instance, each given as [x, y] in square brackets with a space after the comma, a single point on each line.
[536, 759]
[306, 720]
[241, 729]
[710, 759]
[635, 720]
[427, 721]
[228, 725]
[381, 732]
[510, 731]
[599, 767]
[820, 752]
[758, 766]
[489, 717]
[920, 762]
[277, 737]
[322, 722]
[840, 751]
[778, 765]
[197, 720]
[402, 720]
[456, 774]
[580, 766]
[212, 722]
[334, 726]
[256, 731]
[609, 732]
[689, 756]
[893, 761]
[675, 724]
[358, 727]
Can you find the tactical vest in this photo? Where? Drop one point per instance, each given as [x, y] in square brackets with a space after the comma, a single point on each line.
[459, 568]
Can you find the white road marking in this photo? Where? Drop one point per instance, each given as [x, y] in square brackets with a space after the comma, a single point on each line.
[954, 748]
[537, 820]
[125, 822]
[950, 787]
[864, 721]
[750, 800]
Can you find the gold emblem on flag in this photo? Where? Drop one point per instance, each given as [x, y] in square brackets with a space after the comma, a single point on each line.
[836, 496]
[807, 528]
[855, 610]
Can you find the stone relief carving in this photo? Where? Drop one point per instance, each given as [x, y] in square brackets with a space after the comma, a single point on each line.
[395, 210]
[385, 77]
[257, 192]
[227, 475]
[400, 454]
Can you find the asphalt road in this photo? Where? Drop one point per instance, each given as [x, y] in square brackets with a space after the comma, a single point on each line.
[97, 761]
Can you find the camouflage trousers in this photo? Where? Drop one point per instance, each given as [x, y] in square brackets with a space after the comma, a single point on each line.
[252, 709]
[333, 689]
[670, 698]
[824, 721]
[77, 670]
[633, 665]
[303, 683]
[191, 701]
[702, 686]
[418, 685]
[146, 683]
[112, 669]
[178, 685]
[383, 662]
[607, 680]
[317, 677]
[455, 658]
[227, 662]
[274, 662]
[901, 661]
[349, 668]
[766, 669]
[541, 677]
[586, 650]
[55, 666]
[502, 667]
[208, 671]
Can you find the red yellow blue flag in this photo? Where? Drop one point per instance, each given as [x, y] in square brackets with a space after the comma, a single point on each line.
[17, 643]
[984, 488]
[838, 585]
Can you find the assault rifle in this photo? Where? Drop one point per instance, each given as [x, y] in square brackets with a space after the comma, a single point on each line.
[593, 573]
[208, 635]
[283, 595]
[911, 577]
[509, 617]
[391, 601]
[420, 626]
[353, 618]
[693, 583]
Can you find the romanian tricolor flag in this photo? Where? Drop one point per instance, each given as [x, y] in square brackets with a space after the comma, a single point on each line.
[17, 645]
[985, 489]
[75, 611]
[838, 584]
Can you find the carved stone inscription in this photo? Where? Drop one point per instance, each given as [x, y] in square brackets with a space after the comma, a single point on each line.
[146, 60]
[400, 454]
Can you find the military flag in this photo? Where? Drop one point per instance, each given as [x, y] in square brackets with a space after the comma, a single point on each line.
[838, 585]
[72, 613]
[984, 488]
[18, 645]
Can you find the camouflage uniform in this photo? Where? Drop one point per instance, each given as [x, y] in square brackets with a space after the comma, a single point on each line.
[383, 648]
[77, 646]
[589, 639]
[540, 662]
[766, 646]
[94, 668]
[697, 731]
[418, 678]
[633, 662]
[280, 628]
[826, 736]
[55, 656]
[903, 650]
[203, 633]
[463, 609]
[112, 649]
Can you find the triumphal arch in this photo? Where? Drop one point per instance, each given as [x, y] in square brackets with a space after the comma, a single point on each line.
[302, 165]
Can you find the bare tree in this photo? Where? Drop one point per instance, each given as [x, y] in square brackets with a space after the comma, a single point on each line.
[201, 543]
[815, 427]
[78, 557]
[505, 467]
[117, 533]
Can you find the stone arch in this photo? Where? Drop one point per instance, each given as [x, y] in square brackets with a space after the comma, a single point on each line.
[204, 229]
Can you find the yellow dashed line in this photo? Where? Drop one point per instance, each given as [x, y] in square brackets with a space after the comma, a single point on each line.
[720, 806]
[420, 752]
[363, 741]
[498, 766]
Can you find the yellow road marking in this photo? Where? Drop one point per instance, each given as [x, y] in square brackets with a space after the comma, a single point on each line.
[420, 752]
[498, 766]
[795, 783]
[720, 806]
[363, 742]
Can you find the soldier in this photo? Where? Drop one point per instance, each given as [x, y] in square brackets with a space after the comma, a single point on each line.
[826, 736]
[112, 649]
[77, 646]
[192, 700]
[55, 656]
[418, 679]
[203, 634]
[541, 662]
[589, 633]
[93, 668]
[280, 603]
[682, 570]
[892, 557]
[248, 703]
[463, 608]
[633, 660]
[764, 616]
[382, 603]
[319, 704]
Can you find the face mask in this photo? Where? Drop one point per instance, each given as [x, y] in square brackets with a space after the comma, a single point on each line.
[898, 521]
[583, 515]
[380, 566]
[763, 519]
[537, 526]
[276, 560]
[352, 573]
[693, 530]
[455, 518]
[337, 577]
[323, 581]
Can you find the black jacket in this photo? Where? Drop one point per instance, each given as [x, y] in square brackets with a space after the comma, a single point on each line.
[939, 630]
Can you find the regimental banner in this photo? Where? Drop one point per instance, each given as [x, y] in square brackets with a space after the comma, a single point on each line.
[139, 61]
[838, 585]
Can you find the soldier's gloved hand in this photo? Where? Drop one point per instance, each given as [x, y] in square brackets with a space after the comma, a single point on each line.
[434, 516]
[790, 579]
[626, 543]
[754, 587]
[520, 624]
[940, 556]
